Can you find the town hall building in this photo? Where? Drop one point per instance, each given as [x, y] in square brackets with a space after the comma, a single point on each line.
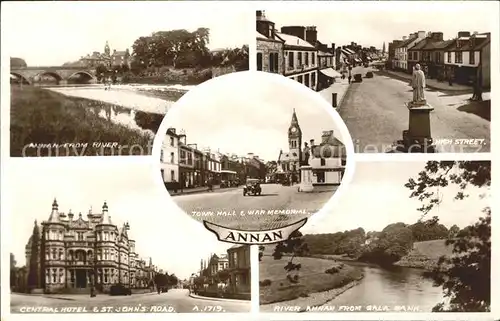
[289, 162]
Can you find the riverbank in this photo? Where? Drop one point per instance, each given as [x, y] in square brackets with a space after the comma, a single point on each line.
[320, 281]
[43, 121]
[425, 255]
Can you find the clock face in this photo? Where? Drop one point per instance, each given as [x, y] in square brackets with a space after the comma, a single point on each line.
[294, 129]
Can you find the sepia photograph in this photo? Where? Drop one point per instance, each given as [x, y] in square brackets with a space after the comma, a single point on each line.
[96, 78]
[236, 154]
[404, 237]
[405, 80]
[104, 245]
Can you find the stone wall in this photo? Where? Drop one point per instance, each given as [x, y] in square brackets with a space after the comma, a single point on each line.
[267, 47]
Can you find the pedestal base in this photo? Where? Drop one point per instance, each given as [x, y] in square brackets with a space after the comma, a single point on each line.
[418, 138]
[306, 184]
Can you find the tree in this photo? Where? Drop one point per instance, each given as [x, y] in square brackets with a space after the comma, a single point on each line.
[13, 270]
[34, 269]
[161, 280]
[223, 276]
[295, 246]
[101, 72]
[261, 252]
[173, 280]
[17, 62]
[464, 277]
[454, 230]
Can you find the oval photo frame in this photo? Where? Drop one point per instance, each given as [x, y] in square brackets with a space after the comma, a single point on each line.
[255, 85]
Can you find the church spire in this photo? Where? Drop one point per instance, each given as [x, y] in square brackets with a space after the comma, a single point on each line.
[107, 50]
[295, 121]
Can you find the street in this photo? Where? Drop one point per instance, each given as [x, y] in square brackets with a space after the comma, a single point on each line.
[375, 114]
[175, 300]
[233, 210]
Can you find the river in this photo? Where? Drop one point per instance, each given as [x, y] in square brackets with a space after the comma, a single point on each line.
[133, 97]
[395, 286]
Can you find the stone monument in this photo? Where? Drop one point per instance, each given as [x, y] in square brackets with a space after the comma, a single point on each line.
[418, 136]
[306, 173]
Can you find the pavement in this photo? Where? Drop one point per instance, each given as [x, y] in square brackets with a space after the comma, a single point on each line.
[201, 189]
[175, 300]
[233, 210]
[430, 83]
[375, 114]
[215, 299]
[340, 86]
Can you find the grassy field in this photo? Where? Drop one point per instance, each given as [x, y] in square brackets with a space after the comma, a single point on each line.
[313, 278]
[426, 254]
[40, 116]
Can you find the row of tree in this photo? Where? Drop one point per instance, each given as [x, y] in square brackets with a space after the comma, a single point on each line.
[164, 280]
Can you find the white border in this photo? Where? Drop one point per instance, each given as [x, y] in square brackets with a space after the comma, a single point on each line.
[339, 7]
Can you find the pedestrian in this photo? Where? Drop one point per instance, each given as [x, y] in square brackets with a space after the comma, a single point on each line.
[349, 78]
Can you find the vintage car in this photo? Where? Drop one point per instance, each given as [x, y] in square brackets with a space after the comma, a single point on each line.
[252, 187]
[119, 289]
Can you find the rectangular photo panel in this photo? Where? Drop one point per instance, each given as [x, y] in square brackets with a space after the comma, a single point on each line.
[106, 241]
[405, 237]
[102, 86]
[418, 84]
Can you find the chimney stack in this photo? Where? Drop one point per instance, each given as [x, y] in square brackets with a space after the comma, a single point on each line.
[297, 31]
[311, 34]
[463, 34]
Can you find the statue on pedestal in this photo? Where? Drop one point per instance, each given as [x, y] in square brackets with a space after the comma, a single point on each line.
[307, 153]
[418, 85]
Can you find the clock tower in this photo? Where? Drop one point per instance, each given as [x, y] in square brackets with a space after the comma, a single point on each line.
[295, 143]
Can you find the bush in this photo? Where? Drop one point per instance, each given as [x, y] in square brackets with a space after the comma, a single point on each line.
[266, 282]
[332, 270]
[358, 78]
[369, 74]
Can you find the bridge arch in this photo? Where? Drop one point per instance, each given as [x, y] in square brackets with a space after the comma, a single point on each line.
[55, 75]
[84, 73]
[20, 77]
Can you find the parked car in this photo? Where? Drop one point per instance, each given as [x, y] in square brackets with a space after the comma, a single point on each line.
[252, 187]
[369, 74]
[358, 78]
[119, 289]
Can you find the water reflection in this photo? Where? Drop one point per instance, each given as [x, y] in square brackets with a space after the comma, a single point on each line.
[395, 286]
[119, 105]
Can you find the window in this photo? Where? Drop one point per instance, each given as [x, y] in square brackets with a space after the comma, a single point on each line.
[472, 59]
[313, 80]
[172, 142]
[343, 162]
[161, 155]
[172, 175]
[299, 58]
[313, 58]
[80, 236]
[306, 79]
[172, 160]
[323, 162]
[458, 57]
[276, 62]
[259, 61]
[438, 57]
[306, 58]
[290, 59]
[271, 62]
[449, 57]
[300, 79]
[162, 174]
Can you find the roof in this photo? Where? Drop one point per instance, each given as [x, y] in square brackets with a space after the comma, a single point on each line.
[432, 45]
[346, 52]
[479, 43]
[286, 157]
[406, 42]
[421, 44]
[349, 51]
[260, 36]
[294, 41]
[322, 53]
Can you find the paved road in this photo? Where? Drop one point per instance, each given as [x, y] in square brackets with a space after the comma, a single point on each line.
[175, 300]
[226, 208]
[375, 115]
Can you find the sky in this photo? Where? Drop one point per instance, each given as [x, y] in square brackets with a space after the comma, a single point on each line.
[377, 197]
[50, 33]
[373, 23]
[175, 241]
[250, 115]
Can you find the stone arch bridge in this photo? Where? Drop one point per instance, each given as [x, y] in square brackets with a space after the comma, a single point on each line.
[32, 75]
